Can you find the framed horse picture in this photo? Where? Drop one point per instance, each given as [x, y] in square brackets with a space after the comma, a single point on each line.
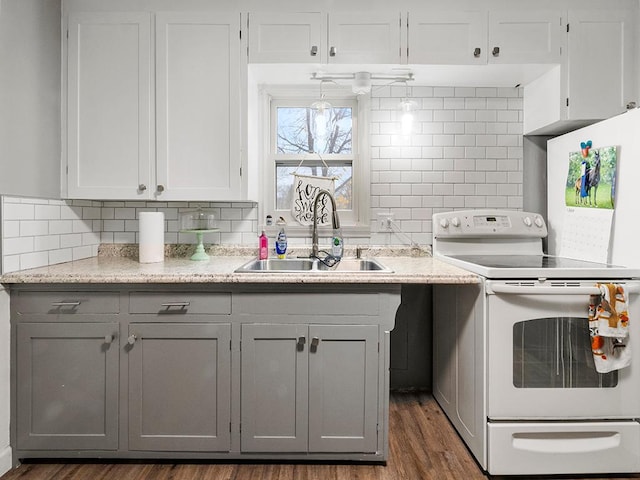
[591, 180]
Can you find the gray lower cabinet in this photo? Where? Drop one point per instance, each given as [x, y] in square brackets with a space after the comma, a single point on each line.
[221, 371]
[67, 389]
[179, 387]
[309, 388]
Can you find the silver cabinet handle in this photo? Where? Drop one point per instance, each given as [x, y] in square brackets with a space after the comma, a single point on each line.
[66, 304]
[142, 187]
[132, 339]
[160, 188]
[333, 51]
[175, 304]
[300, 343]
[314, 344]
[108, 339]
[477, 51]
[496, 51]
[314, 50]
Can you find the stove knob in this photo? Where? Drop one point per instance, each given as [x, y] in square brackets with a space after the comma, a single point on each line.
[455, 221]
[444, 223]
[539, 223]
[527, 221]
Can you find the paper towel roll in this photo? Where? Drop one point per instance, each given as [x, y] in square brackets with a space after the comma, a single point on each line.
[151, 237]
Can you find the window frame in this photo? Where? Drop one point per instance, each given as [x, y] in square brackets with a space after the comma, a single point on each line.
[354, 222]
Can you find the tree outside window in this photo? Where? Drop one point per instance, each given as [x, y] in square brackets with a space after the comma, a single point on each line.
[298, 150]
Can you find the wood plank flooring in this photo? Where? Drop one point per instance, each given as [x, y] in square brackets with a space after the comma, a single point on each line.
[423, 446]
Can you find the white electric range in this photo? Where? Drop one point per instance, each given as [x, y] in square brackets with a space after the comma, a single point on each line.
[513, 368]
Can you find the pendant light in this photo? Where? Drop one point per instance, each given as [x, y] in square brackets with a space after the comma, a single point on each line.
[321, 117]
[407, 107]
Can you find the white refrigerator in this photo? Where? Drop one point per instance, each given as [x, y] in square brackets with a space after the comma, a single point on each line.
[622, 131]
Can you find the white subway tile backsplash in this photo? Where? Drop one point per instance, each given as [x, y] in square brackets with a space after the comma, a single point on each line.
[17, 245]
[60, 256]
[18, 211]
[46, 212]
[33, 260]
[465, 151]
[33, 228]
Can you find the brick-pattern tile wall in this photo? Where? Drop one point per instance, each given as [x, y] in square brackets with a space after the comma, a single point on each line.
[465, 151]
[37, 232]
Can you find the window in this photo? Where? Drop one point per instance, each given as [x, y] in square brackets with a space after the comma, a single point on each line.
[299, 143]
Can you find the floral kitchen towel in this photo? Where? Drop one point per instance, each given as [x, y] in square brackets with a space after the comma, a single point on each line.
[609, 328]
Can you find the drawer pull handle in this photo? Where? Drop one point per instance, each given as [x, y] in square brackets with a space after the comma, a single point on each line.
[108, 339]
[132, 339]
[477, 52]
[333, 51]
[300, 343]
[142, 187]
[176, 304]
[495, 52]
[66, 304]
[314, 344]
[314, 50]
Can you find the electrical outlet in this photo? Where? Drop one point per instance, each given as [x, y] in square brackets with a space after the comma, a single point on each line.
[384, 222]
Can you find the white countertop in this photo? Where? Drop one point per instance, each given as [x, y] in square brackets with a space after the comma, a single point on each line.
[220, 269]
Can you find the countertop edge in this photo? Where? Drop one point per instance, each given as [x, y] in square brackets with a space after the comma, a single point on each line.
[221, 270]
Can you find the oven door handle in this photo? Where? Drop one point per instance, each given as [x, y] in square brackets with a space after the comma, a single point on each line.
[562, 290]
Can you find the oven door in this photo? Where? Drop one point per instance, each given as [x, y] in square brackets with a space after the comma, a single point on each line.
[540, 364]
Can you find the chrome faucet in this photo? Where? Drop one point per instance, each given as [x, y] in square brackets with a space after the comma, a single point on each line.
[335, 220]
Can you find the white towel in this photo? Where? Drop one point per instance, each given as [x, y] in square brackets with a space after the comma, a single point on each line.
[609, 328]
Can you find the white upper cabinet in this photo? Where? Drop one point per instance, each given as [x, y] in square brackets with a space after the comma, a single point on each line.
[476, 38]
[447, 38]
[602, 58]
[364, 38]
[287, 37]
[525, 37]
[197, 106]
[596, 78]
[318, 38]
[124, 142]
[109, 105]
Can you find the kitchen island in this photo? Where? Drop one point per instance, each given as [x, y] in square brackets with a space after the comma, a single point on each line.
[116, 359]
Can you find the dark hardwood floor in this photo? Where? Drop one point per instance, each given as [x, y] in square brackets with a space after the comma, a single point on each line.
[423, 446]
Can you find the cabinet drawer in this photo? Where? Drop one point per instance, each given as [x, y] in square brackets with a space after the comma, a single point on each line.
[367, 304]
[176, 303]
[65, 303]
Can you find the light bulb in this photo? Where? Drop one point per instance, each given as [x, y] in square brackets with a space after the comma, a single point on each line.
[321, 117]
[406, 123]
[407, 107]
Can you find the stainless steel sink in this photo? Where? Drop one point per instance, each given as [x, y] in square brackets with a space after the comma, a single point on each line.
[298, 265]
[355, 265]
[278, 265]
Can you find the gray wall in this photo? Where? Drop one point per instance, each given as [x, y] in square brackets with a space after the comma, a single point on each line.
[30, 98]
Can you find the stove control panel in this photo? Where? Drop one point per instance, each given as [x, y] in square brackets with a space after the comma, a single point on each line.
[489, 223]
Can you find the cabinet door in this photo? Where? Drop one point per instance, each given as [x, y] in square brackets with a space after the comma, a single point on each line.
[274, 388]
[67, 386]
[525, 36]
[364, 38]
[343, 388]
[179, 387]
[448, 38]
[108, 105]
[287, 38]
[198, 106]
[601, 63]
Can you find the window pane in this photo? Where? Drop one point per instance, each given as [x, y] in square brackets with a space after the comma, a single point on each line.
[284, 183]
[556, 353]
[295, 131]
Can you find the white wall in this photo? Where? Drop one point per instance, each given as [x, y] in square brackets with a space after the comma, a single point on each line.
[30, 98]
[5, 449]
